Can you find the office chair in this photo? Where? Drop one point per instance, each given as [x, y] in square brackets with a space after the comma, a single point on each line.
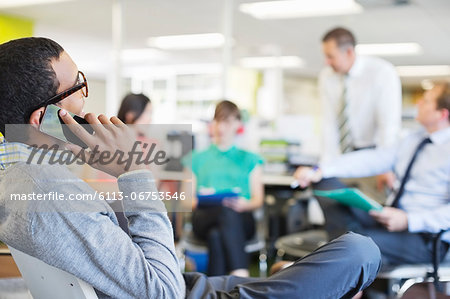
[256, 244]
[400, 277]
[47, 282]
[403, 277]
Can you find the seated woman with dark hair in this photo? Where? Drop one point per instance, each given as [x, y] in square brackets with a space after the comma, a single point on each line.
[220, 169]
[135, 109]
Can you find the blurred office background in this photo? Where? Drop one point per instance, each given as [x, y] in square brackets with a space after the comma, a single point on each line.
[264, 58]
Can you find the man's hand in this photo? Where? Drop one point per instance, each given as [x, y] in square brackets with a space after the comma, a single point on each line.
[239, 204]
[393, 219]
[385, 180]
[307, 175]
[111, 145]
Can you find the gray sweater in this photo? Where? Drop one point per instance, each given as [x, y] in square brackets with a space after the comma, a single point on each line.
[83, 237]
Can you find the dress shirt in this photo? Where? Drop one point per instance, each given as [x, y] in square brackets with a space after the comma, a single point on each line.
[374, 99]
[426, 197]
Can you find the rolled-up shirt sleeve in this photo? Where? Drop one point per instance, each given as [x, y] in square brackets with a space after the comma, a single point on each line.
[361, 163]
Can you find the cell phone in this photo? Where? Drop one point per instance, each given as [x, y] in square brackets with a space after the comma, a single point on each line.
[53, 125]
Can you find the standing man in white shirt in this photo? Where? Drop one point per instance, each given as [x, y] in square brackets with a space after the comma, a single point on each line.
[361, 102]
[361, 97]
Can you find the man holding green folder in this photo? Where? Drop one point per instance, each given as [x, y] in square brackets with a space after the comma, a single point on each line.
[421, 203]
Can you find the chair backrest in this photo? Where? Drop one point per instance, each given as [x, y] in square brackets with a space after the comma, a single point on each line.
[47, 282]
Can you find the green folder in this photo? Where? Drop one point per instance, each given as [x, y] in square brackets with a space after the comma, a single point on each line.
[351, 197]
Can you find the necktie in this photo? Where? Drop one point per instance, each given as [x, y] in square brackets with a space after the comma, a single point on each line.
[345, 138]
[408, 171]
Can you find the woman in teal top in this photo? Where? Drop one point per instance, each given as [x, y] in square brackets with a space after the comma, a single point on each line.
[224, 168]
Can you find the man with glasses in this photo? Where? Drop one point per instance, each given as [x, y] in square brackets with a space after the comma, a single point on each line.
[88, 242]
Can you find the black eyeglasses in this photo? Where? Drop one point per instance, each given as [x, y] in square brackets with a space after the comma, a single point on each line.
[81, 84]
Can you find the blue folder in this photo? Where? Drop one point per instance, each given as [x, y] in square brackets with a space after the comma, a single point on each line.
[214, 199]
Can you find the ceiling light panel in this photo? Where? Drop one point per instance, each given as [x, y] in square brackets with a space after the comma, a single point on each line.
[286, 9]
[272, 62]
[390, 49]
[187, 41]
[423, 70]
[19, 3]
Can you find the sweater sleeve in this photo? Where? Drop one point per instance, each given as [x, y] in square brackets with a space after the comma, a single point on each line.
[83, 238]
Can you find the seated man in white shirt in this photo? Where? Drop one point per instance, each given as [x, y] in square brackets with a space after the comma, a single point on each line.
[421, 203]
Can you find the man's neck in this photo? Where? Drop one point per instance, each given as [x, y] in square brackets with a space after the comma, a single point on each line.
[352, 64]
[437, 127]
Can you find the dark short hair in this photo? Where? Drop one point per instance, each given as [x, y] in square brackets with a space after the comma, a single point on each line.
[27, 78]
[343, 37]
[443, 100]
[225, 109]
[135, 103]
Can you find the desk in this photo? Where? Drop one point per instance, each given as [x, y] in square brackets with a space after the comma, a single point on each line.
[279, 185]
[178, 176]
[4, 250]
[282, 180]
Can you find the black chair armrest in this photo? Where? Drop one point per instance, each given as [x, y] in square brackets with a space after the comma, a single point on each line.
[437, 256]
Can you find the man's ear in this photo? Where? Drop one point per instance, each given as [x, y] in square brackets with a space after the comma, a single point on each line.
[36, 116]
[444, 114]
[351, 52]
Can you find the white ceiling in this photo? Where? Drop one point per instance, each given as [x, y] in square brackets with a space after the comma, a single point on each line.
[83, 27]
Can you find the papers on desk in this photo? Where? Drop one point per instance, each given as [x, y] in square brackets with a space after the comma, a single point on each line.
[351, 197]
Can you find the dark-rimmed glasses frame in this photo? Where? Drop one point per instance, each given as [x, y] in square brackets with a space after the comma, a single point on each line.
[60, 96]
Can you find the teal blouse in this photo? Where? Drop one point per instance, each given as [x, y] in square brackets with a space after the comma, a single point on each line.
[223, 171]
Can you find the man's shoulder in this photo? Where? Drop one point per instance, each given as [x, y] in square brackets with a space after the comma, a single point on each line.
[39, 170]
[376, 63]
[414, 136]
[42, 175]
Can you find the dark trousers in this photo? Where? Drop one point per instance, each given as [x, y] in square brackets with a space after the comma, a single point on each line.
[226, 232]
[338, 269]
[396, 247]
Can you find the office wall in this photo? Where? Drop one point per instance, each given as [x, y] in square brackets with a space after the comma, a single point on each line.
[14, 27]
[96, 101]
